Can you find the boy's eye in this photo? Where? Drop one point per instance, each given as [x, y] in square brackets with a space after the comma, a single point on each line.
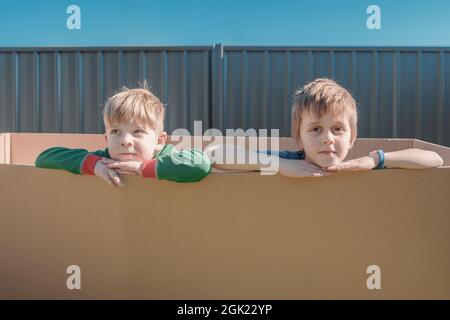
[139, 131]
[338, 129]
[114, 131]
[315, 129]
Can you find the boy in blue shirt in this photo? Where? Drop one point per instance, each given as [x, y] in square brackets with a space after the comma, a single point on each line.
[324, 126]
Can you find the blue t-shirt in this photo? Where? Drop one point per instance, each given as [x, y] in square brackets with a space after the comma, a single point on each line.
[285, 154]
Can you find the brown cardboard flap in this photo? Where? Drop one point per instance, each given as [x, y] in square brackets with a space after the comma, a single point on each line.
[5, 148]
[365, 145]
[23, 148]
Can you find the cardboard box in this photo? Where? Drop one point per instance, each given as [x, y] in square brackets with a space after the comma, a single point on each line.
[230, 236]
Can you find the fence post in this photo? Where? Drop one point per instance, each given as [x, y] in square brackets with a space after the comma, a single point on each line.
[217, 120]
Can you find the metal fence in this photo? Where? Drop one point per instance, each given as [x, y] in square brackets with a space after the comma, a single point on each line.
[401, 92]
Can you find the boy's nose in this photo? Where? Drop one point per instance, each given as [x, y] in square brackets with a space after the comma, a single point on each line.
[328, 139]
[126, 141]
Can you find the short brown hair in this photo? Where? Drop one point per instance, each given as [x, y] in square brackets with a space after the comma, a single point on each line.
[319, 97]
[135, 104]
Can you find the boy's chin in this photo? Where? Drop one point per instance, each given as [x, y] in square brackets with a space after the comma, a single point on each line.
[129, 159]
[325, 163]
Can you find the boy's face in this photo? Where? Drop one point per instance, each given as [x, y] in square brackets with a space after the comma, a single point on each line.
[133, 141]
[325, 140]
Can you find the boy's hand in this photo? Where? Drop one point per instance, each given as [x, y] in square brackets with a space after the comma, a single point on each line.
[363, 163]
[109, 175]
[300, 168]
[124, 167]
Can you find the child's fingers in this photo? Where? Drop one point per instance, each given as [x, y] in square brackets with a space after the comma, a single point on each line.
[314, 168]
[335, 168]
[316, 174]
[126, 172]
[106, 161]
[320, 174]
[353, 166]
[309, 166]
[349, 165]
[310, 173]
[117, 165]
[113, 165]
[122, 166]
[115, 178]
[107, 179]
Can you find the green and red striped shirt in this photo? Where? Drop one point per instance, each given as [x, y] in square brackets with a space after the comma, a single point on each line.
[189, 165]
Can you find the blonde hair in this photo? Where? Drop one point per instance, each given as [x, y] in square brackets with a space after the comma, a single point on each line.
[138, 104]
[320, 97]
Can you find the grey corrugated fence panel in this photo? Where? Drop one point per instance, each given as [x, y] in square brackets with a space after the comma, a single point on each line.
[401, 92]
[64, 89]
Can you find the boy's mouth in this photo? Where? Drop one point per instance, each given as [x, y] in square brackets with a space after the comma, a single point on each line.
[327, 152]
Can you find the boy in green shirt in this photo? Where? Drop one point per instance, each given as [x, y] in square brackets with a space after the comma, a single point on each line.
[134, 120]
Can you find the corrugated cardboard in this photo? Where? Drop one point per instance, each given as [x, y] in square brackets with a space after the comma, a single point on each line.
[230, 236]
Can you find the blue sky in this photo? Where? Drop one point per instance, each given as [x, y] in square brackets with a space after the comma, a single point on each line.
[231, 22]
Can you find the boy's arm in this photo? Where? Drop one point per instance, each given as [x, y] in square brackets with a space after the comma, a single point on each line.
[404, 159]
[78, 161]
[188, 165]
[225, 157]
[411, 159]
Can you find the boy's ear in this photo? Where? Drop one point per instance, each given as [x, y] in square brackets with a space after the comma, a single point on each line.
[161, 140]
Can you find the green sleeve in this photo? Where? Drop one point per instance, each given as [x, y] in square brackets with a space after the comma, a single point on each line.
[188, 165]
[65, 158]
